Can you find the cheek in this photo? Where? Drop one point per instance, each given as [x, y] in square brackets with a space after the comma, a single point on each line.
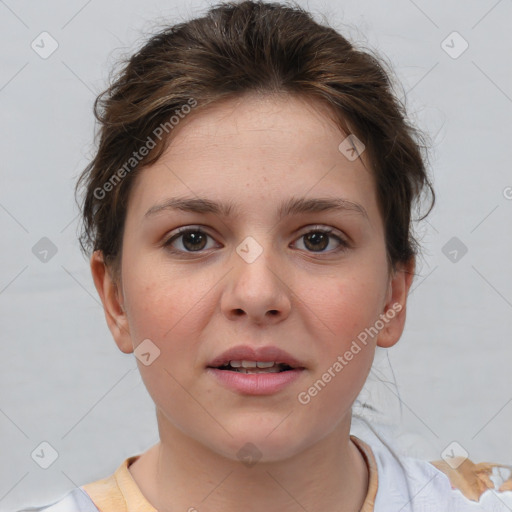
[168, 312]
[173, 312]
[345, 350]
[163, 307]
[342, 307]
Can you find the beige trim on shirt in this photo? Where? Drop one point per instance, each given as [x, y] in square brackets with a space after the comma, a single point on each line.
[120, 493]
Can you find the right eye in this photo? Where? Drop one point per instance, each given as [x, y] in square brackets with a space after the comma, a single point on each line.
[191, 239]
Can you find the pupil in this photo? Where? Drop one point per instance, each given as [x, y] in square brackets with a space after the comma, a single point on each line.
[195, 237]
[316, 237]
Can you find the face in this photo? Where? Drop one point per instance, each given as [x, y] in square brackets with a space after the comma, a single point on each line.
[309, 281]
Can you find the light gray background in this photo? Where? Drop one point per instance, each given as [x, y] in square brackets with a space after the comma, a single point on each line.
[64, 381]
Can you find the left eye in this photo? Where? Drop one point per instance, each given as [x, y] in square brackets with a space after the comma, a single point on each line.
[318, 239]
[195, 240]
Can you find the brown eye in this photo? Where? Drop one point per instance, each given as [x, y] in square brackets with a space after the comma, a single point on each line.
[192, 240]
[316, 241]
[319, 239]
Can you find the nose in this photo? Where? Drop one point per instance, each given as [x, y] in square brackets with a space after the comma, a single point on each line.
[257, 289]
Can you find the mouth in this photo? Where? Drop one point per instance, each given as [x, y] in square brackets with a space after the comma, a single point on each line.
[255, 367]
[251, 378]
[250, 370]
[250, 359]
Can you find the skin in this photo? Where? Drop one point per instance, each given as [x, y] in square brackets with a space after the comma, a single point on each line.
[256, 152]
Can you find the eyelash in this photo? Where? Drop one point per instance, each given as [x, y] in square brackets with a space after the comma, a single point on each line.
[183, 231]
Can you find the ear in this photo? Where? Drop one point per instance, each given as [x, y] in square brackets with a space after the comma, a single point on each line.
[112, 300]
[396, 304]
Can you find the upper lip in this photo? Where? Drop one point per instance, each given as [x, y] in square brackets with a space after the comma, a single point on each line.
[248, 353]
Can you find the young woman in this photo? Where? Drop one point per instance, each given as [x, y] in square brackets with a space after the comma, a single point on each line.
[248, 217]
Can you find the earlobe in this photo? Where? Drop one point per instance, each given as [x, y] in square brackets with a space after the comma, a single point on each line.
[396, 305]
[111, 299]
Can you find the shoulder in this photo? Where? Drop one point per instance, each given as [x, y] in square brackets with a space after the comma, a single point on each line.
[77, 500]
[464, 487]
[473, 480]
[117, 492]
[413, 485]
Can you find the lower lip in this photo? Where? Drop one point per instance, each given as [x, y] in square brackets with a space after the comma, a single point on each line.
[256, 383]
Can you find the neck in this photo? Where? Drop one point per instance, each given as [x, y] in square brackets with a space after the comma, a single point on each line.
[178, 473]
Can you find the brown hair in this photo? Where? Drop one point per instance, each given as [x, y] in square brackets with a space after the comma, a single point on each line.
[248, 47]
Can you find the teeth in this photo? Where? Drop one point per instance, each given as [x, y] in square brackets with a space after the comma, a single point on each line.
[252, 364]
[268, 364]
[258, 370]
[255, 366]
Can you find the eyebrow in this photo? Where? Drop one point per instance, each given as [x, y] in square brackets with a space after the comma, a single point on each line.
[293, 206]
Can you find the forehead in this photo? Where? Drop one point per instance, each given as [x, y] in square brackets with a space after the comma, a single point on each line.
[255, 146]
[268, 120]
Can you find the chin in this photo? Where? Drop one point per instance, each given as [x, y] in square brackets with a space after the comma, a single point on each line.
[267, 443]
